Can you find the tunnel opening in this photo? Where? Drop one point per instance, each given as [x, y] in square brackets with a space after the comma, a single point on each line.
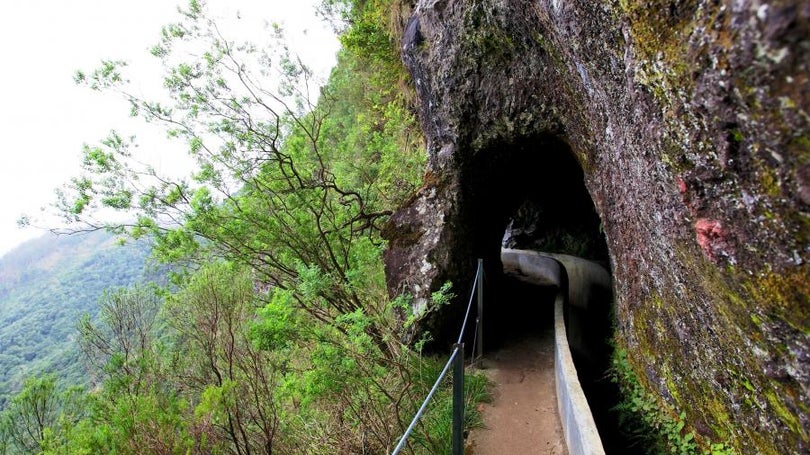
[530, 194]
[526, 194]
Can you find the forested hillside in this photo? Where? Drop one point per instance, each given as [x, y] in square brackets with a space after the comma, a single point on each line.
[46, 284]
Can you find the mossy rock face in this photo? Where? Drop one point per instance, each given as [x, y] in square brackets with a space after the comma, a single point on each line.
[691, 123]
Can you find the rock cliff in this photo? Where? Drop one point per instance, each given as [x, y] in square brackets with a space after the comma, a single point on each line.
[678, 131]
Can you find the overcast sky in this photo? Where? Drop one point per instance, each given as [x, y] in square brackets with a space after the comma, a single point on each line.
[45, 118]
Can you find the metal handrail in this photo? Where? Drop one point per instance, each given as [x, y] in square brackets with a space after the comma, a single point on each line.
[458, 379]
[422, 408]
[469, 307]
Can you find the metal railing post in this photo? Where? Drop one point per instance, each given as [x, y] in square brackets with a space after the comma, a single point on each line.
[458, 401]
[480, 320]
[456, 360]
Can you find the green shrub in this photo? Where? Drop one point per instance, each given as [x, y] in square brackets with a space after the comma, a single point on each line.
[653, 424]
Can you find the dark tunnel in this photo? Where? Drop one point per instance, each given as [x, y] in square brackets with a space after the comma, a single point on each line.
[530, 194]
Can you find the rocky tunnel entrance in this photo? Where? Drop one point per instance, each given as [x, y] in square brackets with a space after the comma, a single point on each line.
[530, 195]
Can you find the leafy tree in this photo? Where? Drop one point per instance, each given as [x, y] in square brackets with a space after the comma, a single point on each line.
[276, 188]
[217, 361]
[139, 408]
[40, 417]
[123, 344]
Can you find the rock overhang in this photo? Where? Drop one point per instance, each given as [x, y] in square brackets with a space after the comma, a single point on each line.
[690, 126]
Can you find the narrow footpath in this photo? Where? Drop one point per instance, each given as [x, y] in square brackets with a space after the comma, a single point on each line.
[522, 418]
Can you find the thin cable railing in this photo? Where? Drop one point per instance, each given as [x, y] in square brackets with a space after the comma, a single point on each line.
[457, 360]
[469, 307]
[404, 438]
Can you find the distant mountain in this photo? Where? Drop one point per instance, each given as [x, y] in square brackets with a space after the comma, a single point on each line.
[46, 284]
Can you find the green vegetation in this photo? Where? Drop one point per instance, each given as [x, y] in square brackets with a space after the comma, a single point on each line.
[45, 285]
[657, 427]
[730, 292]
[40, 417]
[201, 373]
[279, 335]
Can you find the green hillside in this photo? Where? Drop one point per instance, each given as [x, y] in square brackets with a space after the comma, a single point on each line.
[45, 285]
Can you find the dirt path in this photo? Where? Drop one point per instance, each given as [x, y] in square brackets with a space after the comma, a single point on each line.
[522, 418]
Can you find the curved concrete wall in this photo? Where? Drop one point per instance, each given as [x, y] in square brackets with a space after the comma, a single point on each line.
[581, 435]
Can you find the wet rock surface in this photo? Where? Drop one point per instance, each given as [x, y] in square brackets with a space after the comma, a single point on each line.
[689, 123]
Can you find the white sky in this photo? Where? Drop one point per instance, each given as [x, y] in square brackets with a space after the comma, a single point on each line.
[45, 118]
